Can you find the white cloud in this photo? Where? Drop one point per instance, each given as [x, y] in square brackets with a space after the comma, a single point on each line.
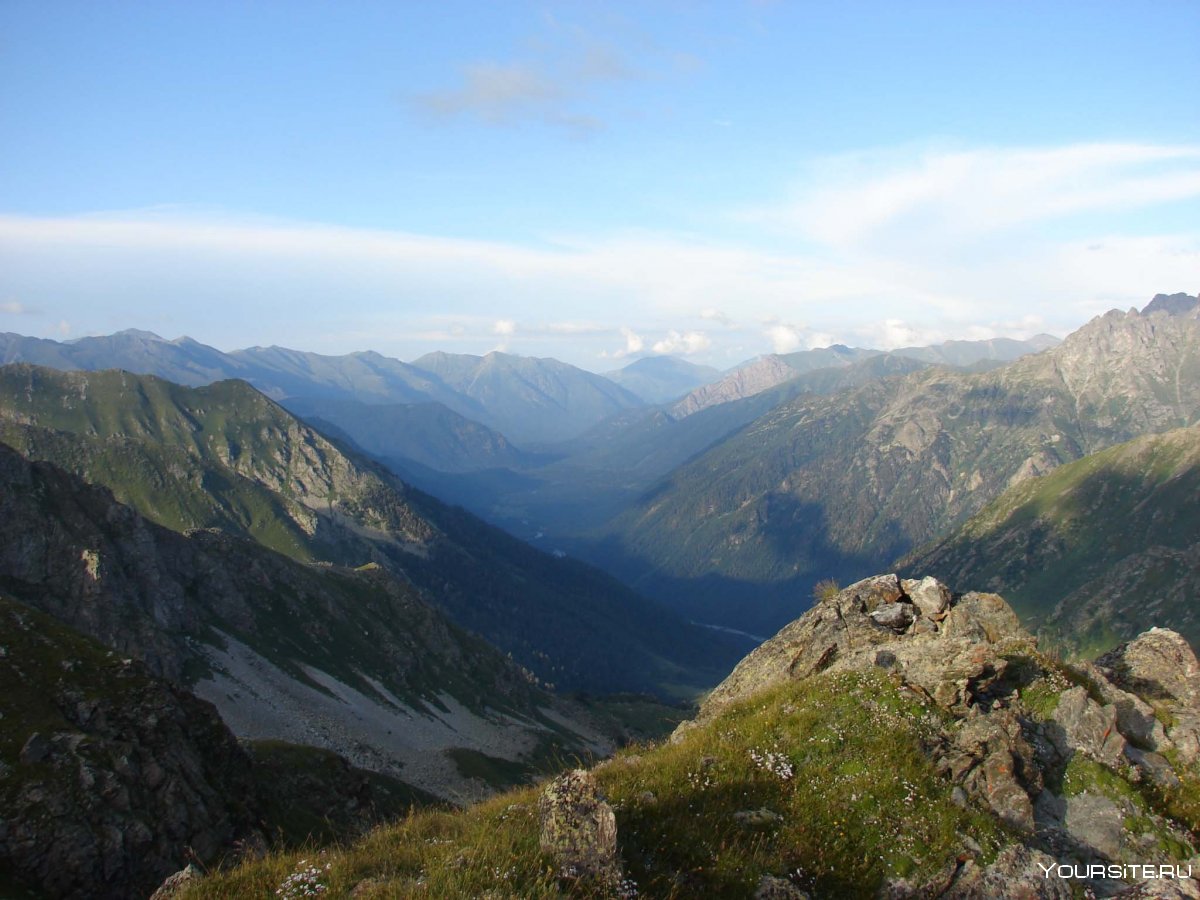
[784, 338]
[504, 327]
[633, 343]
[552, 86]
[13, 308]
[683, 344]
[715, 315]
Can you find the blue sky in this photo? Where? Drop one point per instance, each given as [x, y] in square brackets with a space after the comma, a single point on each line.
[593, 181]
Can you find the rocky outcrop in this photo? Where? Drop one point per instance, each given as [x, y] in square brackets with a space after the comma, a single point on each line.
[125, 779]
[1161, 666]
[579, 831]
[1068, 758]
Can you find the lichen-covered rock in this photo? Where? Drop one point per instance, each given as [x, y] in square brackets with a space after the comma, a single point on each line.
[176, 884]
[1086, 726]
[952, 659]
[1161, 667]
[1018, 873]
[579, 830]
[995, 764]
[929, 595]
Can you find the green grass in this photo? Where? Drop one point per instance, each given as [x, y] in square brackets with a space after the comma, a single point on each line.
[862, 804]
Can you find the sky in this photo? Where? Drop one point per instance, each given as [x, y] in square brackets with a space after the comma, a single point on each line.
[593, 181]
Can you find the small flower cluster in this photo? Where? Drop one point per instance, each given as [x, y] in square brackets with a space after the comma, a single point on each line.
[700, 780]
[776, 763]
[304, 882]
[627, 889]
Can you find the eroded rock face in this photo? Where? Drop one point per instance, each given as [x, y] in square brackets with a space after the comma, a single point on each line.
[579, 830]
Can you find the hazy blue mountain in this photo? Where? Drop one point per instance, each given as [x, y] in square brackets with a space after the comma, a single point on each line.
[529, 399]
[183, 360]
[658, 379]
[429, 434]
[968, 353]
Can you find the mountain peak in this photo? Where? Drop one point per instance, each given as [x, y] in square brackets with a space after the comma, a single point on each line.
[1171, 304]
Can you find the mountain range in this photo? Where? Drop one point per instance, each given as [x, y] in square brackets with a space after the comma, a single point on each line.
[831, 485]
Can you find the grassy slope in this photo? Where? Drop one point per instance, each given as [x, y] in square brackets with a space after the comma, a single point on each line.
[863, 804]
[1049, 537]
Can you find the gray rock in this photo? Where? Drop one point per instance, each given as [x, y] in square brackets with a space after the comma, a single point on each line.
[1096, 822]
[579, 830]
[757, 817]
[982, 617]
[35, 749]
[1016, 874]
[176, 884]
[1153, 766]
[1158, 664]
[1086, 726]
[929, 596]
[1162, 889]
[991, 760]
[896, 616]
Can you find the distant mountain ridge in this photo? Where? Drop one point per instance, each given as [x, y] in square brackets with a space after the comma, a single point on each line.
[776, 368]
[659, 379]
[528, 400]
[837, 485]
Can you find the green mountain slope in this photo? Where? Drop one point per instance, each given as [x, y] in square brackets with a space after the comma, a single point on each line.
[225, 456]
[1096, 550]
[351, 660]
[838, 485]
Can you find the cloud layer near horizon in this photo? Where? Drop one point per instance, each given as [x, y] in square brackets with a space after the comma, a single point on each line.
[878, 248]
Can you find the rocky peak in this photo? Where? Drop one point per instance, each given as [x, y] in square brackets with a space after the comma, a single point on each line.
[1171, 304]
[949, 645]
[1073, 759]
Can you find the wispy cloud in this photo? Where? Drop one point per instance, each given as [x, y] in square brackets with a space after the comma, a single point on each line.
[554, 86]
[16, 308]
[963, 195]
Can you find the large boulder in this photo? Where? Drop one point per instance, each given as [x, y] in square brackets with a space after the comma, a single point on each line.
[1161, 667]
[579, 830]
